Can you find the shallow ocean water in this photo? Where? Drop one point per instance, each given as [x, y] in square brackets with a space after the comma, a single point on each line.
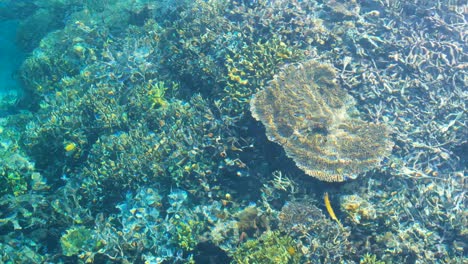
[233, 131]
[11, 57]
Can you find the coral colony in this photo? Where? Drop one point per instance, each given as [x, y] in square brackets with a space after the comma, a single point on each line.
[207, 131]
[305, 111]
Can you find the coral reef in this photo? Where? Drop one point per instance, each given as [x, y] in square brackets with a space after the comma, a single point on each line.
[271, 247]
[18, 174]
[179, 149]
[403, 221]
[133, 141]
[358, 209]
[305, 111]
[318, 236]
[77, 240]
[411, 82]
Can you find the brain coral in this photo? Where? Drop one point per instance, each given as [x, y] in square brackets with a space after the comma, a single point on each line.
[305, 111]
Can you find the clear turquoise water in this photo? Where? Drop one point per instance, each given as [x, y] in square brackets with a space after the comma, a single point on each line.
[10, 56]
[98, 172]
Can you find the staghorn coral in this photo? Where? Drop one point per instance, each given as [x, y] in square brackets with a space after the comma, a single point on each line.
[305, 111]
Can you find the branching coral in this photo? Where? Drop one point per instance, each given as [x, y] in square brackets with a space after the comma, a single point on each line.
[271, 247]
[305, 111]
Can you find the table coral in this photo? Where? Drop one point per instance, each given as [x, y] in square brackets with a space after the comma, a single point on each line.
[305, 111]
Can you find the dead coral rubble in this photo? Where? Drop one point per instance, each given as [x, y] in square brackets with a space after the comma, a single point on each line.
[305, 111]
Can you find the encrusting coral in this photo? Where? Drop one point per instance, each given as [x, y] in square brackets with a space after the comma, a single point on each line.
[305, 111]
